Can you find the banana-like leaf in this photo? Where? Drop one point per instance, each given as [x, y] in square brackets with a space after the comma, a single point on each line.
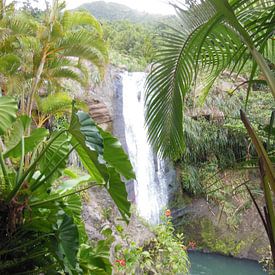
[269, 170]
[72, 183]
[8, 109]
[115, 156]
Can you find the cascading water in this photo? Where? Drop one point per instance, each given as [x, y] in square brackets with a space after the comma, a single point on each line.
[152, 174]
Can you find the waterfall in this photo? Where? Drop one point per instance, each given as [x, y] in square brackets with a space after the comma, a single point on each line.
[152, 174]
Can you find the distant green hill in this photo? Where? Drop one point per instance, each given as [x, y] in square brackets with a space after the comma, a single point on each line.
[113, 12]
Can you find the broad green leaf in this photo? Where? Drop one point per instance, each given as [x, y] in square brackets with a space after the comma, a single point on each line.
[72, 183]
[82, 122]
[117, 190]
[14, 135]
[66, 233]
[8, 109]
[53, 162]
[90, 148]
[37, 136]
[93, 263]
[90, 145]
[115, 156]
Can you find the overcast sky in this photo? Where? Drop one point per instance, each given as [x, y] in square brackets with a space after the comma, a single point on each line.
[150, 6]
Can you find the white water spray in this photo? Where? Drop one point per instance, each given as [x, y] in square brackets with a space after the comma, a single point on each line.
[152, 173]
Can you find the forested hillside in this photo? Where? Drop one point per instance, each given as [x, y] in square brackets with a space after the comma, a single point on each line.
[114, 11]
[132, 35]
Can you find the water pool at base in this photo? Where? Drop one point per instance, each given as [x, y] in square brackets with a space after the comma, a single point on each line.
[212, 264]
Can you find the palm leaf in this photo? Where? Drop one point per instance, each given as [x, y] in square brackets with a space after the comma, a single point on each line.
[73, 20]
[201, 47]
[8, 109]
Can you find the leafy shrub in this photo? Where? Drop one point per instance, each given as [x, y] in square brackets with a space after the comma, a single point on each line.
[165, 254]
[227, 245]
[41, 229]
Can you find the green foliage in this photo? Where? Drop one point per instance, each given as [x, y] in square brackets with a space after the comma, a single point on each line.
[165, 254]
[211, 36]
[40, 215]
[133, 45]
[135, 40]
[111, 11]
[190, 179]
[227, 245]
[8, 107]
[49, 49]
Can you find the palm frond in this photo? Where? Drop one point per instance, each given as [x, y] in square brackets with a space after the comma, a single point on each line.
[199, 49]
[72, 20]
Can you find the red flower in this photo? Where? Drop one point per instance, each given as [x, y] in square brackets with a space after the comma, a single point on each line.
[168, 213]
[192, 244]
[121, 262]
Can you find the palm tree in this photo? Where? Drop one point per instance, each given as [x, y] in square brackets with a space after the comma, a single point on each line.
[61, 46]
[212, 36]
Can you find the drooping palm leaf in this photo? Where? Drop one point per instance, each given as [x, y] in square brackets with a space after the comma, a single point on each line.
[195, 52]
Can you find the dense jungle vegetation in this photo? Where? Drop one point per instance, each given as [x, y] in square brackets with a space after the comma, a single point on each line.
[191, 119]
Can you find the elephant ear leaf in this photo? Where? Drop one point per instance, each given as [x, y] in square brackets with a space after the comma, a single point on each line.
[14, 137]
[101, 165]
[117, 190]
[115, 156]
[8, 109]
[67, 235]
[55, 158]
[87, 138]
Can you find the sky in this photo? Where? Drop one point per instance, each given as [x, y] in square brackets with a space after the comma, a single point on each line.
[149, 6]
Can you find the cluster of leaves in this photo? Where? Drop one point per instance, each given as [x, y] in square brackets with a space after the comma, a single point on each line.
[226, 245]
[134, 43]
[211, 36]
[38, 53]
[134, 40]
[220, 139]
[41, 226]
[165, 254]
[40, 217]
